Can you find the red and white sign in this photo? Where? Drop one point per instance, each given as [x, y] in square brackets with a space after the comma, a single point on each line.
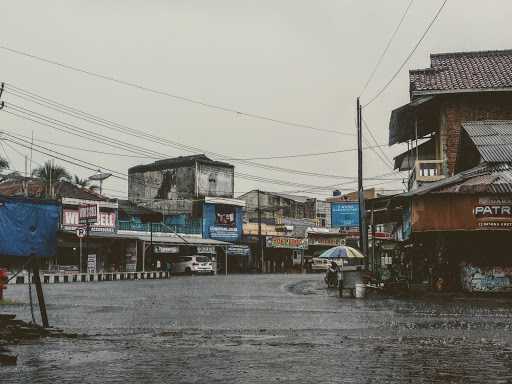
[106, 221]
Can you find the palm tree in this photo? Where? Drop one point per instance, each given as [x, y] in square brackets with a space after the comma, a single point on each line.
[84, 183]
[49, 174]
[4, 164]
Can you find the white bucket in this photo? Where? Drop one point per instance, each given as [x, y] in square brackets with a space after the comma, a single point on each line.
[360, 291]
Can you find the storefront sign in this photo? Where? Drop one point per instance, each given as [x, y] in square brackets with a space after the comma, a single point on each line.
[345, 214]
[165, 249]
[286, 242]
[106, 221]
[239, 250]
[206, 249]
[91, 263]
[224, 233]
[88, 213]
[329, 241]
[493, 213]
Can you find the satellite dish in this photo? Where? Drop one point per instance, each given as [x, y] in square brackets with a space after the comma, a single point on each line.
[100, 176]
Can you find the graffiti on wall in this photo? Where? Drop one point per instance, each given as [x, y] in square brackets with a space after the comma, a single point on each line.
[487, 279]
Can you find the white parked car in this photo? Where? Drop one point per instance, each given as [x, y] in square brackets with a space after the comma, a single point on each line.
[192, 265]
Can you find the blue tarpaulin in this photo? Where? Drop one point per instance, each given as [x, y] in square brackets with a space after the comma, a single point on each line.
[28, 227]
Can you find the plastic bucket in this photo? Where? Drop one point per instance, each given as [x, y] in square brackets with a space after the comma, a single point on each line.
[360, 291]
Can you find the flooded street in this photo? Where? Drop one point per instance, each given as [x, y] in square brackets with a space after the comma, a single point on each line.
[260, 329]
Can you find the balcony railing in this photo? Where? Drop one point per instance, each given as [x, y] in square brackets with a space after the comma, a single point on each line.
[189, 229]
[426, 171]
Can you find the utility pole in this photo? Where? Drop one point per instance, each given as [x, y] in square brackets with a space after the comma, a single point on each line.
[363, 230]
[260, 244]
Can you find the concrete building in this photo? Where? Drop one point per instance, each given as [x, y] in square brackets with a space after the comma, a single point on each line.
[180, 178]
[284, 209]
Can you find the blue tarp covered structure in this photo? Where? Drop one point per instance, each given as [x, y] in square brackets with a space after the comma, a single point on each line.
[28, 227]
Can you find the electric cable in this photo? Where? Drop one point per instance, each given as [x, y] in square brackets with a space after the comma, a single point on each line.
[168, 94]
[386, 48]
[377, 95]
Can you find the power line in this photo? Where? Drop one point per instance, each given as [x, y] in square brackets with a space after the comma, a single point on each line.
[408, 56]
[388, 160]
[170, 95]
[386, 48]
[161, 141]
[33, 117]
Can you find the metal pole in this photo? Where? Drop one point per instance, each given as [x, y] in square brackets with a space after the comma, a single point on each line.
[260, 245]
[226, 260]
[80, 268]
[363, 239]
[151, 241]
[143, 256]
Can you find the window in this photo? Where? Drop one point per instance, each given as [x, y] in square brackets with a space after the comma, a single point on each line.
[225, 215]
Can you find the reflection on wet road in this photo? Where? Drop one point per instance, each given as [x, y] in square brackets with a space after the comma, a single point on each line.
[260, 329]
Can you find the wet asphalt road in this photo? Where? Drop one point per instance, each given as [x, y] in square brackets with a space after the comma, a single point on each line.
[260, 329]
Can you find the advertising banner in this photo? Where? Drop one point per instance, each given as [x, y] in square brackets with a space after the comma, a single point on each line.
[493, 213]
[224, 233]
[345, 214]
[286, 242]
[239, 250]
[106, 221]
[91, 263]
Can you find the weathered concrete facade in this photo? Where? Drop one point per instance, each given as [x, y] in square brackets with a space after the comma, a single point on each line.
[181, 178]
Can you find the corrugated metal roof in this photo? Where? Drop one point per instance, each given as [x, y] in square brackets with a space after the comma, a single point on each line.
[492, 138]
[484, 178]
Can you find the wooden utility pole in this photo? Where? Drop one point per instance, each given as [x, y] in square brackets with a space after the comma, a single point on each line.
[363, 230]
[39, 291]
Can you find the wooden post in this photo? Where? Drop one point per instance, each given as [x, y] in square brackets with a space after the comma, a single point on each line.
[39, 290]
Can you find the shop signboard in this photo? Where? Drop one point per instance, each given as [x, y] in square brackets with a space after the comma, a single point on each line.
[206, 249]
[88, 213]
[239, 250]
[101, 215]
[345, 214]
[493, 213]
[91, 263]
[224, 233]
[327, 241]
[165, 249]
[286, 242]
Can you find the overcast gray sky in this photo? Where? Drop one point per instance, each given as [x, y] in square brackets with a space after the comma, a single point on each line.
[296, 60]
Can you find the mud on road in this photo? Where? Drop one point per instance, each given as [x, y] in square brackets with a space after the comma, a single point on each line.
[261, 329]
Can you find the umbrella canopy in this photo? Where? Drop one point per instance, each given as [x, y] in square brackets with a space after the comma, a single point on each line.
[341, 251]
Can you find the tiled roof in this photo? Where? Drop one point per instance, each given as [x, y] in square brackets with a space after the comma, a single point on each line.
[464, 71]
[35, 187]
[492, 139]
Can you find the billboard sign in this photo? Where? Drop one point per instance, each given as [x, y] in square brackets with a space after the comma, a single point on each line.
[345, 214]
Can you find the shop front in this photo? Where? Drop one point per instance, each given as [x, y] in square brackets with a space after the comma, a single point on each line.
[284, 254]
[223, 221]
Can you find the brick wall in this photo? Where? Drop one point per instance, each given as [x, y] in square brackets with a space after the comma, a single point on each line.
[458, 109]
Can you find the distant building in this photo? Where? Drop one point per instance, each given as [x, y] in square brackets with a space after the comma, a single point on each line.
[284, 209]
[184, 177]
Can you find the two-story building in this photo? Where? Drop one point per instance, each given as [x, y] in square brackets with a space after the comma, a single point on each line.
[457, 87]
[455, 218]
